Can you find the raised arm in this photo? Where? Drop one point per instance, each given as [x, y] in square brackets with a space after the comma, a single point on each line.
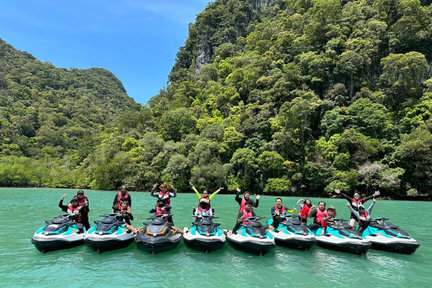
[237, 197]
[376, 193]
[369, 210]
[153, 191]
[196, 191]
[300, 203]
[173, 193]
[214, 193]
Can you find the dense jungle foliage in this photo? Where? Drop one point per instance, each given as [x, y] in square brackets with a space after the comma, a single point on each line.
[290, 97]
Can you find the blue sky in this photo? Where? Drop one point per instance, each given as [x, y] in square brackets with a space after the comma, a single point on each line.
[137, 40]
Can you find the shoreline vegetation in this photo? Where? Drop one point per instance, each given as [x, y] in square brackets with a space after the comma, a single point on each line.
[277, 97]
[233, 193]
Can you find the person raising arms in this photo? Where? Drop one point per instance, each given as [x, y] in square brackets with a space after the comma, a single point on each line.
[246, 199]
[355, 202]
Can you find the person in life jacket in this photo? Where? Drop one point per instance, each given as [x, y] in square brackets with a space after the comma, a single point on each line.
[305, 206]
[122, 195]
[205, 196]
[126, 215]
[326, 221]
[164, 194]
[125, 212]
[74, 209]
[355, 202]
[161, 208]
[246, 199]
[318, 214]
[203, 208]
[242, 217]
[83, 201]
[363, 215]
[278, 210]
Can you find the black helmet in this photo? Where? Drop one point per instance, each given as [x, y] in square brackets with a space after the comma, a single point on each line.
[74, 200]
[80, 192]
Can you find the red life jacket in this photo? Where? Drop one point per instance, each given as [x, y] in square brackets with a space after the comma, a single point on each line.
[81, 201]
[121, 198]
[165, 196]
[72, 209]
[207, 197]
[203, 211]
[247, 215]
[356, 203]
[243, 204]
[304, 211]
[279, 210]
[364, 216]
[320, 216]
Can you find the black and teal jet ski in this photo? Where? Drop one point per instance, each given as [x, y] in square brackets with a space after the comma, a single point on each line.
[204, 235]
[109, 234]
[60, 233]
[253, 237]
[341, 236]
[386, 236]
[158, 235]
[292, 233]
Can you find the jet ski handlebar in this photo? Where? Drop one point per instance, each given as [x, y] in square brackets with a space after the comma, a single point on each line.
[254, 218]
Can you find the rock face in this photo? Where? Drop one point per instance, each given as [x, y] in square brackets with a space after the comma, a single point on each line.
[205, 51]
[204, 54]
[259, 4]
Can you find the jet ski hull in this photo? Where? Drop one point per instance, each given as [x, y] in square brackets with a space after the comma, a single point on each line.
[294, 241]
[254, 245]
[204, 243]
[336, 240]
[46, 242]
[358, 247]
[396, 245]
[156, 244]
[106, 242]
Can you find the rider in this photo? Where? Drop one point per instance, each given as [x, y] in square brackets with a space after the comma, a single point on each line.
[318, 214]
[362, 215]
[83, 201]
[122, 195]
[331, 213]
[246, 199]
[164, 194]
[304, 209]
[355, 202]
[74, 209]
[125, 211]
[204, 201]
[161, 208]
[278, 210]
[243, 215]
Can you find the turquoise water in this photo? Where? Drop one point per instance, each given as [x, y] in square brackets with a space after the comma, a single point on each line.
[24, 210]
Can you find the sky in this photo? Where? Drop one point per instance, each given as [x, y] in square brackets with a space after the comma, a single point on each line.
[137, 40]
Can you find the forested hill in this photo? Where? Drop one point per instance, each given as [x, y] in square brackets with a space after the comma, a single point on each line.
[47, 112]
[296, 97]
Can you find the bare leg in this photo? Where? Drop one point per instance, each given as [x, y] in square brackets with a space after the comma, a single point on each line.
[352, 222]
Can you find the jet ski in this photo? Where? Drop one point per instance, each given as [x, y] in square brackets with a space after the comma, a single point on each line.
[109, 234]
[386, 236]
[292, 233]
[342, 237]
[252, 238]
[157, 236]
[60, 233]
[204, 235]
